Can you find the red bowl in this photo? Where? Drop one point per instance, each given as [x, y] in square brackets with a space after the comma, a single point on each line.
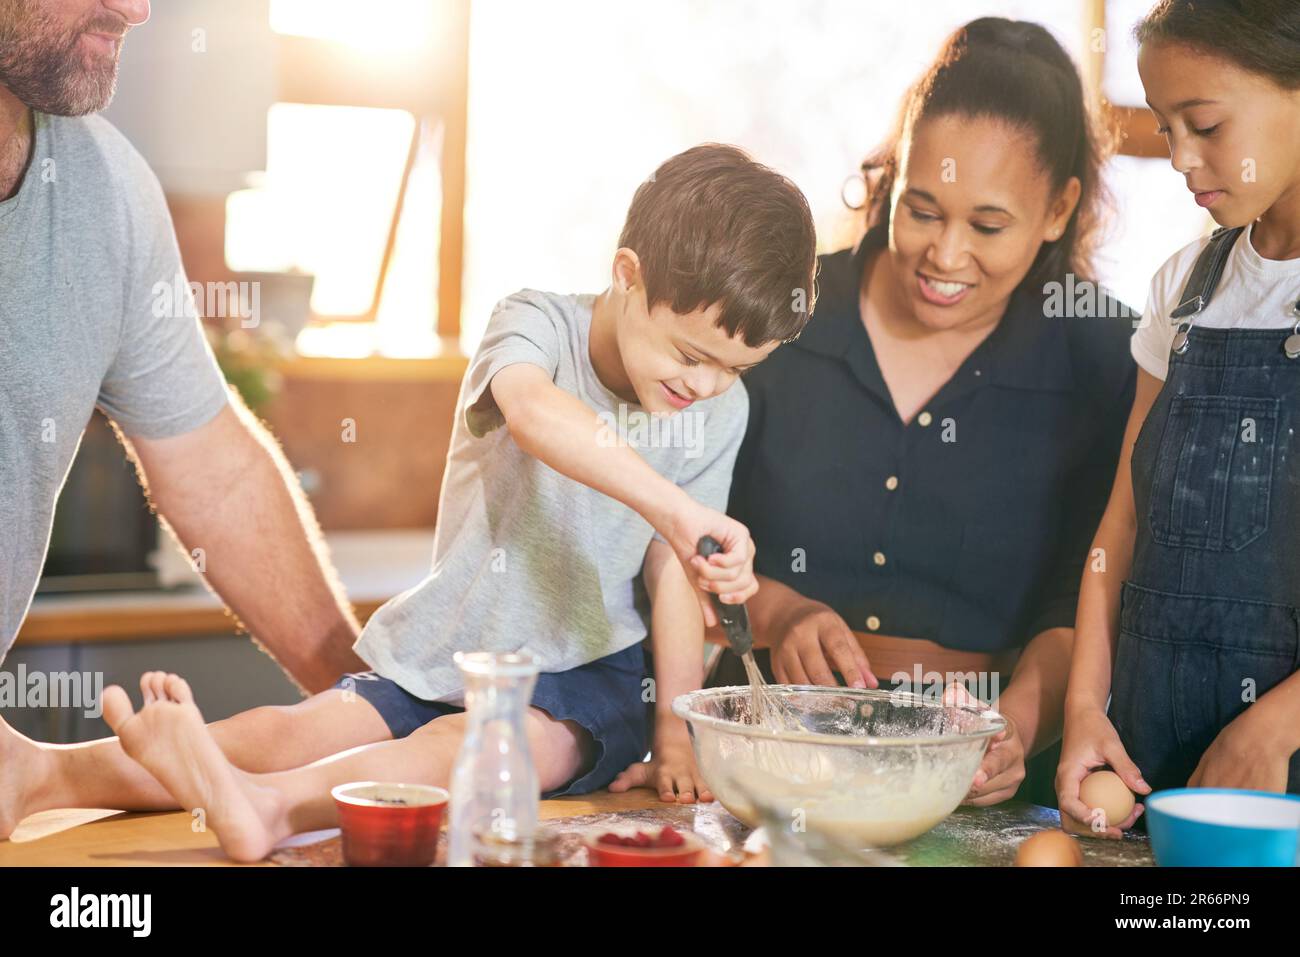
[614, 855]
[389, 825]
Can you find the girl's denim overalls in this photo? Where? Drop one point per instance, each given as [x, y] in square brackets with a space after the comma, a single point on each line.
[1209, 619]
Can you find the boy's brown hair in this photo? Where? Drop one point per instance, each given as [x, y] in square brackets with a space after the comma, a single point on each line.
[711, 225]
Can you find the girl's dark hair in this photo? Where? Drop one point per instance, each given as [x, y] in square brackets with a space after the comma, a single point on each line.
[1017, 72]
[1261, 36]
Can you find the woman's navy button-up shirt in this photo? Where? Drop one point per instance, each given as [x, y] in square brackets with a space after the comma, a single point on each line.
[968, 526]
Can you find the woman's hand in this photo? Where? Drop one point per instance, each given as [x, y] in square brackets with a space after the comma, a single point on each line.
[1090, 741]
[1248, 753]
[808, 639]
[1003, 767]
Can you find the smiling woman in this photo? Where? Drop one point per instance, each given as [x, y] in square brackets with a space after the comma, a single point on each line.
[1018, 78]
[924, 467]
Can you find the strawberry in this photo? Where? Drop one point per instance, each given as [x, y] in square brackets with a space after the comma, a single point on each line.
[670, 838]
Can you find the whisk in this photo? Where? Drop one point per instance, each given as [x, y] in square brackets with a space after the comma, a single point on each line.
[766, 709]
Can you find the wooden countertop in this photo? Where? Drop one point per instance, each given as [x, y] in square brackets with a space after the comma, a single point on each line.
[373, 567]
[969, 837]
[98, 838]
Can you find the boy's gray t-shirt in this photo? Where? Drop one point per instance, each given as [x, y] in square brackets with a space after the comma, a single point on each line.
[525, 558]
[84, 245]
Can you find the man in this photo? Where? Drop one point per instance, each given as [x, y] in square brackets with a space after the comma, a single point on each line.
[84, 237]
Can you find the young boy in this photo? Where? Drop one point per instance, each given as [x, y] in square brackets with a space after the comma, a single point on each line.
[553, 533]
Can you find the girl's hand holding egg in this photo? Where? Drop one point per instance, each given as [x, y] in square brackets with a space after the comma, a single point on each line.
[1090, 742]
[1108, 800]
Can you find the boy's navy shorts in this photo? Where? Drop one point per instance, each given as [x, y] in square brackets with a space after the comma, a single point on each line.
[604, 696]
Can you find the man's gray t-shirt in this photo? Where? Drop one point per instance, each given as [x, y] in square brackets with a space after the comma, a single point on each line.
[83, 245]
[525, 558]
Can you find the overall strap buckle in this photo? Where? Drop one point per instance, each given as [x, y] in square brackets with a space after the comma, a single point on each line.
[1202, 283]
[1291, 347]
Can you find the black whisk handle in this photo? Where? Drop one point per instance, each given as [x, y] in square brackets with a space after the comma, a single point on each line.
[734, 618]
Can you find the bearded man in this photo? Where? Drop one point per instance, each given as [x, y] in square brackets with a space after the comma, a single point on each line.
[85, 237]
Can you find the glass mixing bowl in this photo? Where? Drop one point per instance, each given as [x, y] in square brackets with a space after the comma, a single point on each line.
[869, 768]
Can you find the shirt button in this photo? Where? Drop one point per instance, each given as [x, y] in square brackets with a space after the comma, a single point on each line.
[891, 483]
[878, 558]
[873, 623]
[924, 419]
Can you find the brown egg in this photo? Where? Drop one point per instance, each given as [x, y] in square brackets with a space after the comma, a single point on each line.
[1049, 849]
[1107, 791]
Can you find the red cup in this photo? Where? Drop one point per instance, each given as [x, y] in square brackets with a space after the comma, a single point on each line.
[389, 825]
[618, 855]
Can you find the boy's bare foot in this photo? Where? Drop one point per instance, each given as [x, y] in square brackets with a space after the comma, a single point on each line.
[169, 739]
[24, 767]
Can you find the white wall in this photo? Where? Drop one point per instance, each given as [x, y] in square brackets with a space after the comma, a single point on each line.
[193, 91]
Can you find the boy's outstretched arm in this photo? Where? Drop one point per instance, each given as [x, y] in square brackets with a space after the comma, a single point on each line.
[677, 637]
[562, 431]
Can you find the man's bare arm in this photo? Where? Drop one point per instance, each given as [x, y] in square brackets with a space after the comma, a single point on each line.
[226, 488]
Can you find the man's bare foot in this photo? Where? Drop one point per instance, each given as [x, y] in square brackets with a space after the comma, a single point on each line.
[169, 739]
[24, 768]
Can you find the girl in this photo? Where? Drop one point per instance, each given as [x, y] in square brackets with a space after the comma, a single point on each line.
[1191, 598]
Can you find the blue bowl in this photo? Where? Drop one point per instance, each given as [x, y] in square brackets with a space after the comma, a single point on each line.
[1224, 827]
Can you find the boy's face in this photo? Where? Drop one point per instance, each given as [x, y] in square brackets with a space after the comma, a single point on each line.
[673, 360]
[1233, 135]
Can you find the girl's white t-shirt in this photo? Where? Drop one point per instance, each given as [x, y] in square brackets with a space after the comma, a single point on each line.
[1254, 293]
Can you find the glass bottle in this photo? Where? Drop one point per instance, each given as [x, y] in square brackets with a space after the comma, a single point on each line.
[494, 785]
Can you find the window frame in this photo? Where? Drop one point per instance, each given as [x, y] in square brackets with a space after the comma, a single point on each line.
[433, 85]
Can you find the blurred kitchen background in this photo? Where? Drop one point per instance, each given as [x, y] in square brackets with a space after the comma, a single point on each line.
[388, 170]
